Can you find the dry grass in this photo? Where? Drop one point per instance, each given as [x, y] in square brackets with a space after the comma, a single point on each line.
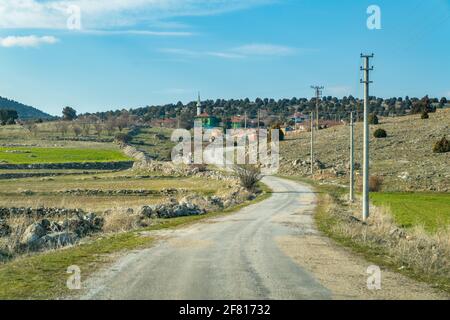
[414, 251]
[122, 221]
[10, 245]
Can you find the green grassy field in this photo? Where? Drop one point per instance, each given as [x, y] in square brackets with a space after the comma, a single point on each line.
[432, 210]
[24, 155]
[155, 142]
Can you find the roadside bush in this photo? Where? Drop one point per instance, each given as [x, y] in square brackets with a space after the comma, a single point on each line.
[373, 119]
[248, 175]
[122, 138]
[380, 133]
[442, 146]
[425, 115]
[199, 167]
[375, 183]
[276, 126]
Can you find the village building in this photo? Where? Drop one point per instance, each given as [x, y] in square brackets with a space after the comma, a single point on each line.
[208, 121]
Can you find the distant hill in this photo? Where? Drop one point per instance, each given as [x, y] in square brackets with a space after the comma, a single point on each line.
[404, 160]
[25, 112]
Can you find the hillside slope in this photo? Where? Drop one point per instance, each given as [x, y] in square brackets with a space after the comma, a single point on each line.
[25, 112]
[404, 160]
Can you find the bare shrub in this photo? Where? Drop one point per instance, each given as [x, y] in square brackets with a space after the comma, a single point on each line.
[11, 244]
[120, 221]
[248, 175]
[375, 183]
[442, 146]
[77, 130]
[62, 127]
[98, 127]
[199, 167]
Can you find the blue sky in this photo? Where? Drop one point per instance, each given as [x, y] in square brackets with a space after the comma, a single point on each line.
[142, 52]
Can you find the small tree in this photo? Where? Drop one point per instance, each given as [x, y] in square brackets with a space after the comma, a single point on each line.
[275, 126]
[8, 116]
[31, 127]
[123, 121]
[373, 119]
[69, 114]
[248, 175]
[62, 127]
[442, 146]
[380, 133]
[425, 115]
[375, 183]
[98, 127]
[110, 125]
[77, 130]
[122, 138]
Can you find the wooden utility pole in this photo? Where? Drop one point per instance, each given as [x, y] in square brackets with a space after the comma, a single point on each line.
[366, 81]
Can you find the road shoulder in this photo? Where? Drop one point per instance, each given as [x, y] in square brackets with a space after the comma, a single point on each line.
[344, 273]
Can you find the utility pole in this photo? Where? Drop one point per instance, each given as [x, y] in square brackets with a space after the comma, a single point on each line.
[352, 160]
[318, 90]
[245, 119]
[312, 143]
[259, 120]
[366, 81]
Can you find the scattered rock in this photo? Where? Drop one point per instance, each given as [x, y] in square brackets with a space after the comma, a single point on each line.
[57, 239]
[5, 229]
[34, 233]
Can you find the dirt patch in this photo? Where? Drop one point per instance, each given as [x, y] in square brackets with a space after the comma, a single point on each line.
[345, 274]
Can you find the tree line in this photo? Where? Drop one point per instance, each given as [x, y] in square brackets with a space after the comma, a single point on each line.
[329, 107]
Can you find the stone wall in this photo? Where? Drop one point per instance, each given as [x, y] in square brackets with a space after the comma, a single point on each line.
[37, 212]
[118, 165]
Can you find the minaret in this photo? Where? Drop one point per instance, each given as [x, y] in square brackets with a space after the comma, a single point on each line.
[199, 106]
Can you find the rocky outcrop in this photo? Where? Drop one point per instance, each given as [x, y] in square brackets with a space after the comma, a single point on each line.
[171, 210]
[5, 229]
[196, 205]
[47, 234]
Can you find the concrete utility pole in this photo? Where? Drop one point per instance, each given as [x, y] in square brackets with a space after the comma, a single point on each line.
[259, 120]
[366, 82]
[352, 160]
[318, 90]
[312, 143]
[245, 119]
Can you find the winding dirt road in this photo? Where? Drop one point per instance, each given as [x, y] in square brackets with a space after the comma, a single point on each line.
[270, 250]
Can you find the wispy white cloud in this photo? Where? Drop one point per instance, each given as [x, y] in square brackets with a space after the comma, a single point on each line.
[26, 41]
[340, 90]
[100, 14]
[264, 50]
[251, 50]
[199, 54]
[139, 32]
[224, 55]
